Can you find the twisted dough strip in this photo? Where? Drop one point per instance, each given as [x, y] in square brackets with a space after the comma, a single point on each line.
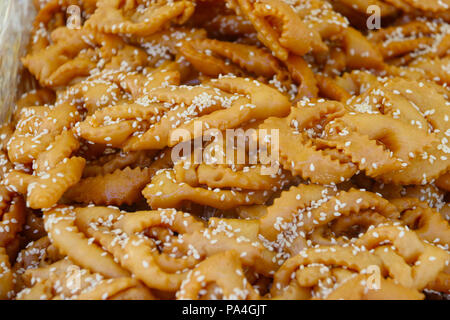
[357, 82]
[120, 123]
[65, 235]
[117, 289]
[36, 254]
[62, 147]
[330, 89]
[5, 165]
[12, 216]
[51, 15]
[298, 218]
[356, 134]
[165, 192]
[36, 130]
[434, 68]
[321, 16]
[412, 39]
[355, 288]
[114, 17]
[292, 34]
[433, 6]
[359, 52]
[223, 176]
[411, 262]
[393, 98]
[135, 251]
[441, 283]
[60, 62]
[297, 152]
[264, 102]
[123, 186]
[433, 106]
[228, 25]
[429, 194]
[414, 27]
[6, 132]
[395, 49]
[291, 281]
[433, 9]
[427, 223]
[117, 85]
[114, 87]
[223, 166]
[288, 204]
[364, 152]
[230, 234]
[380, 98]
[165, 44]
[44, 190]
[347, 203]
[95, 92]
[166, 74]
[65, 280]
[230, 278]
[432, 196]
[44, 279]
[213, 57]
[157, 117]
[119, 160]
[221, 106]
[345, 228]
[6, 276]
[35, 97]
[352, 51]
[125, 58]
[302, 74]
[336, 62]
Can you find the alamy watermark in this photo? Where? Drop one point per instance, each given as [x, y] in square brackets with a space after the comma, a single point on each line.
[374, 279]
[74, 17]
[374, 20]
